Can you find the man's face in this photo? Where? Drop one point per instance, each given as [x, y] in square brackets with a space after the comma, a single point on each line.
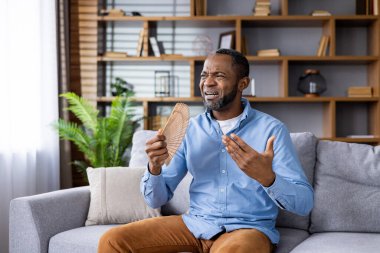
[219, 82]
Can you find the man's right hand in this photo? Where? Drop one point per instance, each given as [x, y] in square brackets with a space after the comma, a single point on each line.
[157, 152]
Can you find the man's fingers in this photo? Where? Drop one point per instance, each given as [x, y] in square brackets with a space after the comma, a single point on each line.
[270, 143]
[244, 146]
[158, 137]
[230, 144]
[157, 152]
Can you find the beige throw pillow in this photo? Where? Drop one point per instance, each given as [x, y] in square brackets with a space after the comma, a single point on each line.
[116, 196]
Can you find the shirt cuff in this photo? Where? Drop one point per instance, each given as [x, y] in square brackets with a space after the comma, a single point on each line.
[151, 180]
[275, 191]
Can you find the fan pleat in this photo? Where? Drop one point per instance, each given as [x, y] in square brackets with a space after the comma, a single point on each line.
[175, 128]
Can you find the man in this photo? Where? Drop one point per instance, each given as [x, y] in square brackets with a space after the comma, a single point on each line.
[244, 167]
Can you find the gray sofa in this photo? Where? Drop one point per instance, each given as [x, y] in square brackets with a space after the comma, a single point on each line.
[345, 217]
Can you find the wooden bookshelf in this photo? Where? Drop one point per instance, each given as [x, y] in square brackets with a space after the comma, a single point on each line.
[353, 58]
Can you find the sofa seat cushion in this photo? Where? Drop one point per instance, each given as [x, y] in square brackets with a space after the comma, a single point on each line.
[290, 238]
[346, 188]
[338, 242]
[78, 240]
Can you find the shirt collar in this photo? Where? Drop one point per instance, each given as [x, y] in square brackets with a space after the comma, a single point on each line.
[247, 111]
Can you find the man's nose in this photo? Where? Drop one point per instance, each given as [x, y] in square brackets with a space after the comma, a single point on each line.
[209, 80]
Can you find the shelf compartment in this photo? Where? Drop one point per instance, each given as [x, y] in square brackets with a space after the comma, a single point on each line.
[339, 76]
[309, 117]
[217, 7]
[336, 7]
[355, 119]
[357, 37]
[141, 74]
[267, 76]
[292, 37]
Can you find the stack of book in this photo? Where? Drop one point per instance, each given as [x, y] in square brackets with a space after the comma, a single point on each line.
[262, 8]
[112, 12]
[367, 7]
[361, 91]
[268, 52]
[319, 13]
[323, 45]
[115, 54]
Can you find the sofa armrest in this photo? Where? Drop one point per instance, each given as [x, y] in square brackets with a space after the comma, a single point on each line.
[35, 219]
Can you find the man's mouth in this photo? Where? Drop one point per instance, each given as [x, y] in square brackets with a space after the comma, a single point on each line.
[211, 94]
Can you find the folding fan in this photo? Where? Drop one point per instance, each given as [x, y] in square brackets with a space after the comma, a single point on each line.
[175, 128]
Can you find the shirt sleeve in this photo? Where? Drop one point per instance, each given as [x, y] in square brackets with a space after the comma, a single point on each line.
[291, 190]
[158, 189]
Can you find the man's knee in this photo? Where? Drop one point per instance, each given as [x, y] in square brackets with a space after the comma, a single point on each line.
[111, 242]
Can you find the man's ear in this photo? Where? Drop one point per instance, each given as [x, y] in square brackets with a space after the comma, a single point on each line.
[243, 83]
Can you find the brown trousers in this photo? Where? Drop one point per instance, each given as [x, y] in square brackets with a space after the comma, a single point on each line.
[169, 234]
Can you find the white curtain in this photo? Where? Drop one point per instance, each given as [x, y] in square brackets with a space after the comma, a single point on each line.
[29, 148]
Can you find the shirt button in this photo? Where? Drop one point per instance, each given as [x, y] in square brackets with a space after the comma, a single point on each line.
[223, 150]
[221, 190]
[223, 171]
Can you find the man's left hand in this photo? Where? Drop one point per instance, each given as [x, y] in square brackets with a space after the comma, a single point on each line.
[256, 165]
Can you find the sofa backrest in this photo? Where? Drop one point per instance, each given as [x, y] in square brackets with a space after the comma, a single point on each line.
[347, 188]
[305, 144]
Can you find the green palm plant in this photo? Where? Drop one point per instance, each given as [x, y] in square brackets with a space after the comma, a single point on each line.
[103, 140]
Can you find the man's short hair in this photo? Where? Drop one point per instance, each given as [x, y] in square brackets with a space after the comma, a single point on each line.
[238, 60]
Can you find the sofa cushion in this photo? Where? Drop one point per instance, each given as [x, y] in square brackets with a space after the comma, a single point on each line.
[347, 188]
[78, 240]
[290, 238]
[305, 144]
[138, 156]
[337, 242]
[116, 196]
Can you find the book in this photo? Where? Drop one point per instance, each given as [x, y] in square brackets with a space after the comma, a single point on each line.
[325, 45]
[376, 7]
[268, 52]
[262, 8]
[115, 54]
[359, 91]
[155, 48]
[320, 13]
[200, 7]
[145, 50]
[321, 45]
[361, 7]
[140, 43]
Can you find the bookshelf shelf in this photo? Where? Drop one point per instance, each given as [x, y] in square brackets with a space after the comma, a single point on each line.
[352, 59]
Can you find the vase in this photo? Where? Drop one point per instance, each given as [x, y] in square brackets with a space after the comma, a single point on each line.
[312, 83]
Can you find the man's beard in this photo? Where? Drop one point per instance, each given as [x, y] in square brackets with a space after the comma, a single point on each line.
[221, 102]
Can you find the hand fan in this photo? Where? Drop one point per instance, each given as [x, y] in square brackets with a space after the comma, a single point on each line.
[175, 129]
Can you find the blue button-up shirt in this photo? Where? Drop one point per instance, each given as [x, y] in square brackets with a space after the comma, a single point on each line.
[222, 196]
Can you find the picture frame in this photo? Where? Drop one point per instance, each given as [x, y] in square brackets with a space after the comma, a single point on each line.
[227, 40]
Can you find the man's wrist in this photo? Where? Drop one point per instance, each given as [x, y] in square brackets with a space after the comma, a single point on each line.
[154, 170]
[269, 182]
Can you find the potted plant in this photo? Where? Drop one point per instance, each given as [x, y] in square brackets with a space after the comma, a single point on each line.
[103, 140]
[120, 87]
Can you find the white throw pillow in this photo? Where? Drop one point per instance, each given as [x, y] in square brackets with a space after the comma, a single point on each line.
[138, 154]
[116, 197]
